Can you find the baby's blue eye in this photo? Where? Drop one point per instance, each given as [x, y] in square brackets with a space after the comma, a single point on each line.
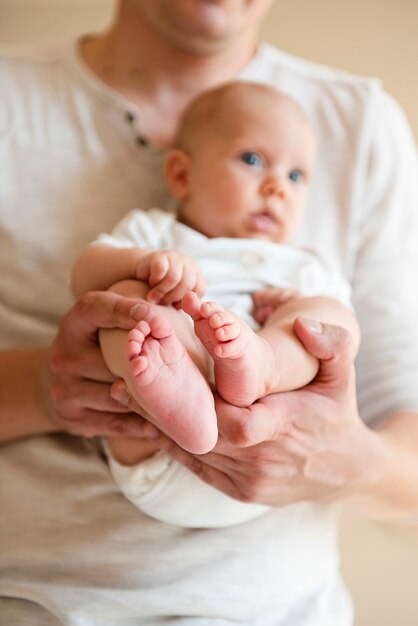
[252, 158]
[295, 176]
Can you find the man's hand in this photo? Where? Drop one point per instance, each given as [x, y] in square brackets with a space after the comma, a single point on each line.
[308, 444]
[76, 382]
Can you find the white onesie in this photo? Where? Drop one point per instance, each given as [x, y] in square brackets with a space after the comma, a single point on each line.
[233, 269]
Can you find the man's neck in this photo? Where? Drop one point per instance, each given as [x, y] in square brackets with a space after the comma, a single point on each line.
[157, 76]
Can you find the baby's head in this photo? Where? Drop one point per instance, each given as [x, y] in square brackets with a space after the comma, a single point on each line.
[242, 163]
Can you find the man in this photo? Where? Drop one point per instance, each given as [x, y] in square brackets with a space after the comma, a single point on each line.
[84, 137]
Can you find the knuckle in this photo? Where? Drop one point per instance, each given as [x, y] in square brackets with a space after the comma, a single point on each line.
[56, 390]
[171, 275]
[54, 362]
[118, 426]
[64, 391]
[72, 418]
[158, 266]
[84, 304]
[172, 280]
[115, 305]
[67, 400]
[252, 489]
[241, 433]
[58, 365]
[81, 421]
[259, 461]
[195, 466]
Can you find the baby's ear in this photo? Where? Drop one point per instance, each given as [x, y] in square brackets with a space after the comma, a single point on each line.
[177, 169]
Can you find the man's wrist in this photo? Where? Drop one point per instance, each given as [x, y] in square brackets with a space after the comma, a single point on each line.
[384, 490]
[24, 404]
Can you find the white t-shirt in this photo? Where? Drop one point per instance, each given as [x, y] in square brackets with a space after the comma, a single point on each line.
[74, 551]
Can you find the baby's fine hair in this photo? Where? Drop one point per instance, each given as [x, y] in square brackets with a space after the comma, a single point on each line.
[207, 111]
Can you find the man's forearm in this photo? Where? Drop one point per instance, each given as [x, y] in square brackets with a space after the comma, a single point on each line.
[390, 489]
[22, 413]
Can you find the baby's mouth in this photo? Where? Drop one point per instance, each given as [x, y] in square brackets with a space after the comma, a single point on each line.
[262, 221]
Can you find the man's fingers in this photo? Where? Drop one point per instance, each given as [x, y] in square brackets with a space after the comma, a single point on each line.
[205, 467]
[333, 346]
[95, 396]
[107, 424]
[98, 309]
[77, 378]
[90, 366]
[120, 394]
[265, 420]
[324, 341]
[80, 401]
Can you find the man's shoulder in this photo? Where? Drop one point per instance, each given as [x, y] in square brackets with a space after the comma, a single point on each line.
[281, 69]
[323, 92]
[30, 78]
[17, 62]
[44, 71]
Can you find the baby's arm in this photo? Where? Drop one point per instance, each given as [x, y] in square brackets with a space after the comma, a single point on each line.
[168, 273]
[98, 267]
[296, 366]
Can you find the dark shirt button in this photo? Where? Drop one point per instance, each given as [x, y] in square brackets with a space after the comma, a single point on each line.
[129, 117]
[141, 141]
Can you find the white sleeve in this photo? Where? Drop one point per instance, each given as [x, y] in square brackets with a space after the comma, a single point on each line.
[142, 229]
[385, 290]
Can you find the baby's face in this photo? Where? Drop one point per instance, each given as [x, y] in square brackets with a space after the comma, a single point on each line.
[251, 179]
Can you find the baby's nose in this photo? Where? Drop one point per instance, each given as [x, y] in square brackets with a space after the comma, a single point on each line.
[272, 186]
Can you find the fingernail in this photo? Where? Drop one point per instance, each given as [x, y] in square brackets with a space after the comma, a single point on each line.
[313, 325]
[121, 396]
[139, 311]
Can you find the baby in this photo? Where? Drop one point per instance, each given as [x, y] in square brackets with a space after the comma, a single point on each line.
[240, 173]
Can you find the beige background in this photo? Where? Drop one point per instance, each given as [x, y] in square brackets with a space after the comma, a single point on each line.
[369, 37]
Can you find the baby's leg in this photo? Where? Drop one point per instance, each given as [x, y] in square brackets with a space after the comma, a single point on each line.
[130, 450]
[249, 365]
[163, 367]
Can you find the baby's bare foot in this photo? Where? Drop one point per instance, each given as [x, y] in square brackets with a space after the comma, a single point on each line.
[243, 360]
[170, 387]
